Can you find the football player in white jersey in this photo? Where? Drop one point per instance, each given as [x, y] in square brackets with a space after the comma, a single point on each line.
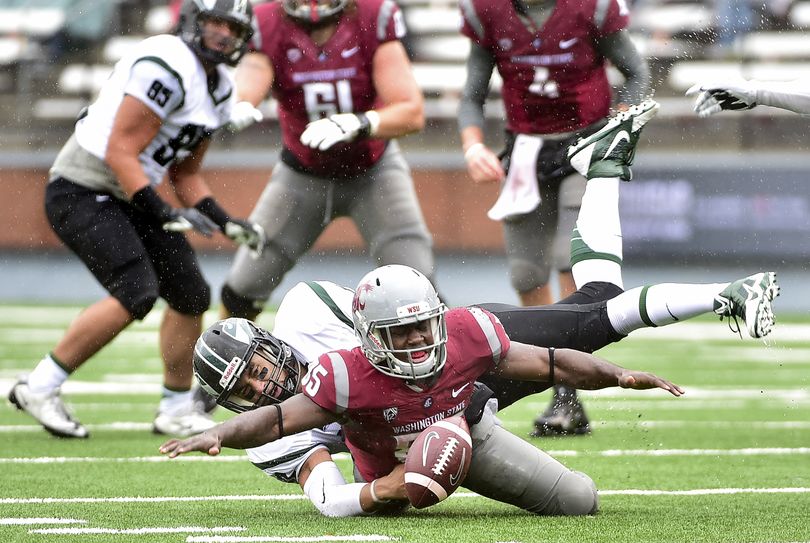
[155, 114]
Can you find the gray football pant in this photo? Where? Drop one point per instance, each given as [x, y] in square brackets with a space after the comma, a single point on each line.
[506, 468]
[540, 240]
[295, 208]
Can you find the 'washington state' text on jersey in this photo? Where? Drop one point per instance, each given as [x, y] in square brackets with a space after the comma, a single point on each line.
[554, 79]
[385, 414]
[166, 75]
[312, 82]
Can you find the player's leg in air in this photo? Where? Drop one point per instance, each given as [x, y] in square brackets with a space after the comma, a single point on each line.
[600, 312]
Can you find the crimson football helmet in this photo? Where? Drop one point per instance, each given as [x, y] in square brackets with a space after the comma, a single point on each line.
[231, 347]
[314, 12]
[238, 13]
[392, 296]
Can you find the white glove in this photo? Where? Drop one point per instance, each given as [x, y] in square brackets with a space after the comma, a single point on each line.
[342, 127]
[243, 115]
[188, 218]
[246, 233]
[713, 99]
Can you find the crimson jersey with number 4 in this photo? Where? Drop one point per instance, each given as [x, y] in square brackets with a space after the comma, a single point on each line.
[384, 414]
[312, 82]
[554, 79]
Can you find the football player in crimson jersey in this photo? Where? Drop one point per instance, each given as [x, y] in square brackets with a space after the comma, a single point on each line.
[552, 57]
[154, 115]
[245, 367]
[345, 90]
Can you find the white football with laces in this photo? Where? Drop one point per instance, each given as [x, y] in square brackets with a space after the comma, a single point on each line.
[438, 461]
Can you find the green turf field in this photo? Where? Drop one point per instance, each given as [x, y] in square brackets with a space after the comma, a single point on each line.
[730, 461]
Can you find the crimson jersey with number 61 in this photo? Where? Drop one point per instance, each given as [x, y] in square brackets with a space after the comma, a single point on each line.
[313, 82]
[385, 414]
[554, 79]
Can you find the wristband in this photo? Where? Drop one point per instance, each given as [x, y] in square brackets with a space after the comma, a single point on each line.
[551, 365]
[148, 200]
[281, 423]
[365, 126]
[374, 497]
[373, 121]
[209, 207]
[471, 149]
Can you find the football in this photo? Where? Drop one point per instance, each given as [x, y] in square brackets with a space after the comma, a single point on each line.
[438, 461]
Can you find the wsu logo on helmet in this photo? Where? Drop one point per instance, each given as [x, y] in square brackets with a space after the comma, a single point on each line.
[359, 300]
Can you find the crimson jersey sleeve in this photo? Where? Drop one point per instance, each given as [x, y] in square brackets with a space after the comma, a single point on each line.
[320, 383]
[475, 336]
[616, 17]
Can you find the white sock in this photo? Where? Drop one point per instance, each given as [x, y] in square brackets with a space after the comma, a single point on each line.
[174, 403]
[660, 305]
[597, 254]
[47, 376]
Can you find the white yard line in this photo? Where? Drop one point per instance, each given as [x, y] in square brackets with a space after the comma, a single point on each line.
[137, 531]
[296, 497]
[752, 451]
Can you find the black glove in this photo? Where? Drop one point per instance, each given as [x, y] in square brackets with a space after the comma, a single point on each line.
[478, 401]
[237, 230]
[173, 220]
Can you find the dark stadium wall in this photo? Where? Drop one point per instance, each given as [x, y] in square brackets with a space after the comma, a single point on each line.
[455, 210]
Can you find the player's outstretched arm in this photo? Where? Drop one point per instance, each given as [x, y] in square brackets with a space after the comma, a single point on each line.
[575, 369]
[254, 428]
[711, 98]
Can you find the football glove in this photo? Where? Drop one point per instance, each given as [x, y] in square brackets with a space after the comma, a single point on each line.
[342, 127]
[246, 233]
[188, 218]
[243, 115]
[713, 99]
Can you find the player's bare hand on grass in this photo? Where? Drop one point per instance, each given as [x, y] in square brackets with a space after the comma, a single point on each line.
[207, 442]
[641, 380]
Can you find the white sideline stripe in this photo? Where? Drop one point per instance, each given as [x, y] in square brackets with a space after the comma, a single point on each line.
[753, 451]
[284, 539]
[39, 520]
[120, 426]
[295, 497]
[120, 460]
[759, 393]
[138, 531]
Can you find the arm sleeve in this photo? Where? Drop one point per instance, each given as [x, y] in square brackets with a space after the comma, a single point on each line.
[790, 95]
[622, 52]
[480, 64]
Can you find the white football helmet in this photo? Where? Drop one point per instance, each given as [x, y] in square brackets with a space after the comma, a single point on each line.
[392, 296]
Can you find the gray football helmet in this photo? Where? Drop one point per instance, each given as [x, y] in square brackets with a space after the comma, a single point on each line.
[314, 12]
[239, 13]
[392, 296]
[229, 348]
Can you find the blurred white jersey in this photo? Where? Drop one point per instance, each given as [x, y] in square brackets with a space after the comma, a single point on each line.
[313, 318]
[166, 75]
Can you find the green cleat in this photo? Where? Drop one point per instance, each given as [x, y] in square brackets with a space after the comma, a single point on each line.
[749, 299]
[610, 151]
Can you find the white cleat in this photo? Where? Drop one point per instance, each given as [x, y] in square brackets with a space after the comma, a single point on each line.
[48, 409]
[751, 300]
[183, 425]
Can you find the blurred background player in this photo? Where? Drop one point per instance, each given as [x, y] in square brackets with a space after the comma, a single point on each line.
[155, 114]
[552, 56]
[345, 89]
